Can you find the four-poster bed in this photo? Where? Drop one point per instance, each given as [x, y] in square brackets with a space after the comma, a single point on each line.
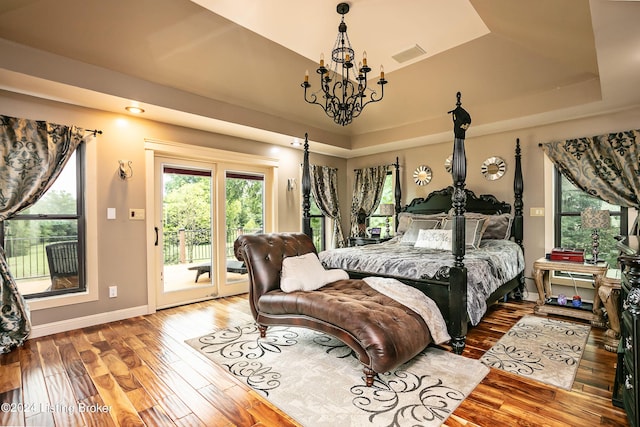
[448, 286]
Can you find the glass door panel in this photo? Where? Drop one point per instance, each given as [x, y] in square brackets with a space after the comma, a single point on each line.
[244, 209]
[185, 235]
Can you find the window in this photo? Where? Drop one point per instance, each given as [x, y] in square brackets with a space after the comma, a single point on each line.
[377, 220]
[570, 202]
[318, 221]
[45, 243]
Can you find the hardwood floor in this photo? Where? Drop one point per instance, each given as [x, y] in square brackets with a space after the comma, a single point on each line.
[140, 372]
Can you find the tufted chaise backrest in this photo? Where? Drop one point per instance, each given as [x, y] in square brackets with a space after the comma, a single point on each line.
[263, 255]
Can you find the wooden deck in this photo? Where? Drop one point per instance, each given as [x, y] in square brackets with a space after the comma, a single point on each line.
[142, 369]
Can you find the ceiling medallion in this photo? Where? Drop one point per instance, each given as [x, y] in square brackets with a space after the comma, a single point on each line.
[422, 175]
[345, 99]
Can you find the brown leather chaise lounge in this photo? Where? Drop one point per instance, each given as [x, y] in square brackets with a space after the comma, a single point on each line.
[383, 333]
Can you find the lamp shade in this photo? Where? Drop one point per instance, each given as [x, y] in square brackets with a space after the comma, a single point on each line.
[595, 219]
[387, 209]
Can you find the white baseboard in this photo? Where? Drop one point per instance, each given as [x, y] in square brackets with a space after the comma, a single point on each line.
[38, 331]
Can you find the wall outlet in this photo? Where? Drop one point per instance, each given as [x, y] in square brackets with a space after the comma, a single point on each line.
[113, 291]
[137, 214]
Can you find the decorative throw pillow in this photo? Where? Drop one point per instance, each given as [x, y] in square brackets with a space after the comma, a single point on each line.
[411, 235]
[434, 239]
[498, 227]
[473, 231]
[306, 273]
[405, 219]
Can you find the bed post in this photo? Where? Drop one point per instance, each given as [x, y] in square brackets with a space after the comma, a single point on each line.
[458, 273]
[518, 205]
[518, 188]
[397, 191]
[306, 191]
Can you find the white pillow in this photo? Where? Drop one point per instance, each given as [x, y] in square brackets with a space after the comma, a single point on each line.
[305, 273]
[434, 239]
[411, 235]
[474, 228]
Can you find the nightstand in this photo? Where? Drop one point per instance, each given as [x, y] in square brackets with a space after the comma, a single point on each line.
[361, 241]
[609, 293]
[547, 304]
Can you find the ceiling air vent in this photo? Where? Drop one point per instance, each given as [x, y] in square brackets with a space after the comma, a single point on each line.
[409, 54]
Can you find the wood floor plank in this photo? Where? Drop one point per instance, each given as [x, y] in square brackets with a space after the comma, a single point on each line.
[62, 402]
[95, 412]
[10, 377]
[50, 357]
[13, 415]
[120, 408]
[200, 407]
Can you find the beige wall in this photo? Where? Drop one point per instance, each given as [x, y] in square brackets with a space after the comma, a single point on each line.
[122, 249]
[502, 145]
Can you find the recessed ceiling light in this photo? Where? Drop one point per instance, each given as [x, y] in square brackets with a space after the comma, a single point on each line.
[296, 142]
[134, 110]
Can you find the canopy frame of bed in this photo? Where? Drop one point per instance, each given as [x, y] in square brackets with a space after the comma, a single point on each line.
[448, 287]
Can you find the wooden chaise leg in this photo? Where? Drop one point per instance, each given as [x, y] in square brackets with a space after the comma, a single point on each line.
[369, 375]
[263, 331]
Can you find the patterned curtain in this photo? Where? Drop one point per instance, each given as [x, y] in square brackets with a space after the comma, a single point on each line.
[32, 154]
[605, 166]
[367, 192]
[324, 187]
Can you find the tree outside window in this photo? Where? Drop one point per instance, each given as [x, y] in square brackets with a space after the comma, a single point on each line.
[318, 221]
[59, 216]
[388, 197]
[570, 202]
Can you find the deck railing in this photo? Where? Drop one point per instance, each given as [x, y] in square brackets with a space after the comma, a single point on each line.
[27, 257]
[187, 246]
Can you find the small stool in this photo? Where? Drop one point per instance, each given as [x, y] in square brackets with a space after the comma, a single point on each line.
[609, 293]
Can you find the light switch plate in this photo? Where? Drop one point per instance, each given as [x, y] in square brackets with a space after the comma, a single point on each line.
[536, 212]
[111, 213]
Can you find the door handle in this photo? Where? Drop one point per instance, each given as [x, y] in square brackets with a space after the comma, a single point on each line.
[156, 229]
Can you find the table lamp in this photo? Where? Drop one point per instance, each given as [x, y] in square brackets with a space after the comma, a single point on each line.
[387, 210]
[595, 220]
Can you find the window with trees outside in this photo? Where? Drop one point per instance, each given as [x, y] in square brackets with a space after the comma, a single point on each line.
[45, 243]
[244, 206]
[317, 225]
[569, 204]
[377, 220]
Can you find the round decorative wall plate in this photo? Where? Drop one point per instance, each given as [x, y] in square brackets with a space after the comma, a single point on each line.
[448, 164]
[493, 168]
[422, 175]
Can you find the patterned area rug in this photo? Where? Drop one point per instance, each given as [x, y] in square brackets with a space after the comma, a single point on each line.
[317, 380]
[543, 349]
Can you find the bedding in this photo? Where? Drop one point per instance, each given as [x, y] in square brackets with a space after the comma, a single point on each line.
[492, 264]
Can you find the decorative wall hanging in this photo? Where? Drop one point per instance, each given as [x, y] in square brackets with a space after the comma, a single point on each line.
[448, 163]
[422, 175]
[493, 168]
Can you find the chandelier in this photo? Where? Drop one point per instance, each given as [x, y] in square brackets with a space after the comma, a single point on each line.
[346, 98]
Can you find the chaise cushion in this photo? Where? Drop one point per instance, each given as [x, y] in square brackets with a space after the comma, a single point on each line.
[390, 333]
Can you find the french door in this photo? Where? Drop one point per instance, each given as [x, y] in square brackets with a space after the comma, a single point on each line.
[185, 221]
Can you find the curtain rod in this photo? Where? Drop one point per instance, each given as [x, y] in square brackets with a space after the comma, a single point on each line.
[392, 164]
[94, 131]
